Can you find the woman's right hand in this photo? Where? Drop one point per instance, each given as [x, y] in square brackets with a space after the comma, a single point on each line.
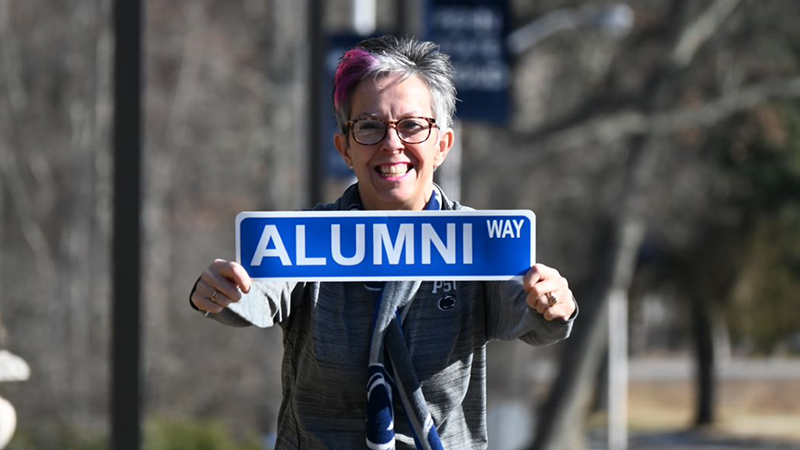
[221, 284]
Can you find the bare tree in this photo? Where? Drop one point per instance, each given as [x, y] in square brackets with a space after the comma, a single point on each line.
[647, 124]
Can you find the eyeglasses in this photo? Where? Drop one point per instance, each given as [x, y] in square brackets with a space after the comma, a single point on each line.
[411, 130]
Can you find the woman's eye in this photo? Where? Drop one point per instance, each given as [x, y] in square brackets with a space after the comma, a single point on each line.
[370, 125]
[411, 125]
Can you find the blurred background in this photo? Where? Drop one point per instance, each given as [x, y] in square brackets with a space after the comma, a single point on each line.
[657, 141]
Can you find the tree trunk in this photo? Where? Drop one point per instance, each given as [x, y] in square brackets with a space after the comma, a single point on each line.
[562, 414]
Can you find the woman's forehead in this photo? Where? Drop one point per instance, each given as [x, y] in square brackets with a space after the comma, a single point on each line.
[394, 94]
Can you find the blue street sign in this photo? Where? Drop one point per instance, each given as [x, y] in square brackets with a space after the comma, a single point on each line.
[386, 245]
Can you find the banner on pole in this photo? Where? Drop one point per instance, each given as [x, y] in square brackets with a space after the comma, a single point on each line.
[473, 33]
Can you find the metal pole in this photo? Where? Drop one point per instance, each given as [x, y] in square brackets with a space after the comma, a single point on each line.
[126, 248]
[401, 18]
[315, 76]
[618, 370]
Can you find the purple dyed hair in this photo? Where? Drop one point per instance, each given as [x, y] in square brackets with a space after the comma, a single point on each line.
[354, 65]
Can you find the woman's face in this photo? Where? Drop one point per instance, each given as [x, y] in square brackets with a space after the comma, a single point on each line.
[392, 174]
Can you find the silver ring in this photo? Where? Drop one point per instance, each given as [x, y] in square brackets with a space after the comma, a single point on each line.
[214, 296]
[552, 299]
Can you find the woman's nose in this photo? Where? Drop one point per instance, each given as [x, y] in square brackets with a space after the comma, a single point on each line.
[392, 140]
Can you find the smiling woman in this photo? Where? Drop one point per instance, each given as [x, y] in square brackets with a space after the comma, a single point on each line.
[394, 169]
[400, 84]
[355, 353]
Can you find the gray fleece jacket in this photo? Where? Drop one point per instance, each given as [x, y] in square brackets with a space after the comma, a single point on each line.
[326, 336]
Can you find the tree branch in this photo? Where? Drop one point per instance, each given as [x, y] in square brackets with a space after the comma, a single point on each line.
[628, 123]
[613, 114]
[10, 174]
[696, 34]
[29, 226]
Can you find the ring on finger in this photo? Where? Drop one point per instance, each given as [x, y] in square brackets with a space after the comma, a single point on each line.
[214, 296]
[552, 298]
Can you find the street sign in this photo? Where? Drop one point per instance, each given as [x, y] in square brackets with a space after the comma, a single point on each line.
[386, 245]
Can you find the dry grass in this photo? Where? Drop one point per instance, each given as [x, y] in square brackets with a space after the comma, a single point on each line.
[746, 409]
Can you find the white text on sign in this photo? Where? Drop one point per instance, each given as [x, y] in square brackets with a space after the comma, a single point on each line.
[271, 245]
[503, 228]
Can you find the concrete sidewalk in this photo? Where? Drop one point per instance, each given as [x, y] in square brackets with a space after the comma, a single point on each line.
[683, 440]
[681, 368]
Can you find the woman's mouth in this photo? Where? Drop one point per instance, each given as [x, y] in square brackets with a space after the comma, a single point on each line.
[393, 170]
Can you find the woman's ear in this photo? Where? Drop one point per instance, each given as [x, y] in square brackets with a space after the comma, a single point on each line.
[340, 142]
[446, 141]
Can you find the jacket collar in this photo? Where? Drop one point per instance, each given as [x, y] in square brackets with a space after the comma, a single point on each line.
[351, 199]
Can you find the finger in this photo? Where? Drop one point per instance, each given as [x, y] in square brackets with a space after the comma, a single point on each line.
[544, 302]
[216, 282]
[557, 312]
[531, 277]
[206, 291]
[220, 291]
[208, 305]
[563, 309]
[217, 289]
[536, 304]
[547, 286]
[551, 314]
[538, 273]
[240, 277]
[204, 303]
[234, 272]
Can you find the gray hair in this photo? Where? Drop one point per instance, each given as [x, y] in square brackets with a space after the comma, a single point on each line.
[388, 55]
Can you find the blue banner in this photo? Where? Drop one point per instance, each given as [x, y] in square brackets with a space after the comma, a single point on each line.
[386, 245]
[473, 33]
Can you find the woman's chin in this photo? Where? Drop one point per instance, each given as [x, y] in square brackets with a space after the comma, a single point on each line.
[396, 192]
[398, 198]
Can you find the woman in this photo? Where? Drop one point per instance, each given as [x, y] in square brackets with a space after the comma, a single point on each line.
[386, 363]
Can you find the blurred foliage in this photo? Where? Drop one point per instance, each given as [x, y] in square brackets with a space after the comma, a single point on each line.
[764, 313]
[61, 437]
[773, 162]
[159, 434]
[173, 434]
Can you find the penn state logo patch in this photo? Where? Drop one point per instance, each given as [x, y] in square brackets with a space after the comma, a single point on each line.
[447, 302]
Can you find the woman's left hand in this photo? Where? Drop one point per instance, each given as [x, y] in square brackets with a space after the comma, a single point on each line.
[549, 293]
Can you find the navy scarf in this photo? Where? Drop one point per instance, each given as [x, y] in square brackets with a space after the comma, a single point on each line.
[388, 340]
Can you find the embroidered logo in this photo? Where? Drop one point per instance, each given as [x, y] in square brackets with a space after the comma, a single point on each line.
[447, 302]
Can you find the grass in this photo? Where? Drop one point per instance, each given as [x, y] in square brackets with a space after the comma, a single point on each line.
[745, 409]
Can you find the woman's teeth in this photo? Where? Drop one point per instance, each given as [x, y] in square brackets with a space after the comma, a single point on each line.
[394, 169]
